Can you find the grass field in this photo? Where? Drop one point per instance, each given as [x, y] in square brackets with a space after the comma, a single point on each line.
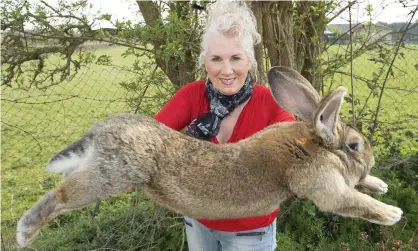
[398, 112]
[37, 124]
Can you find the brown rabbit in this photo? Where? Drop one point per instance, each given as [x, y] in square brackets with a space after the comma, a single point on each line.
[320, 159]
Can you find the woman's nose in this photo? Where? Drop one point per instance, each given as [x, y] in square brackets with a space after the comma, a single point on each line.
[227, 68]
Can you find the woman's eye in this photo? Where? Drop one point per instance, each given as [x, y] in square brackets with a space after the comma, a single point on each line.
[216, 59]
[353, 146]
[236, 58]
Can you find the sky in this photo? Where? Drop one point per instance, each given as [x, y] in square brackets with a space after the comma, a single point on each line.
[387, 11]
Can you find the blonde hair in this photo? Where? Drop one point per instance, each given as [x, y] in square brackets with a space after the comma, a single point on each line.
[233, 19]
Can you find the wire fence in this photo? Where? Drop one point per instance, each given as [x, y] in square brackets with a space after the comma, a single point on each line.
[382, 95]
[37, 118]
[36, 124]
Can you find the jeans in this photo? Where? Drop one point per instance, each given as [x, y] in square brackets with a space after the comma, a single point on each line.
[201, 238]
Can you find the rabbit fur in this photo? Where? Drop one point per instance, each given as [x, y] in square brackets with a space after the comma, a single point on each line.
[319, 158]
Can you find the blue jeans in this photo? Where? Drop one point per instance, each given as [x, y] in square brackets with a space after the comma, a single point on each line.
[201, 238]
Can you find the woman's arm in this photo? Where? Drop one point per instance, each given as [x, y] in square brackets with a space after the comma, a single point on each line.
[176, 114]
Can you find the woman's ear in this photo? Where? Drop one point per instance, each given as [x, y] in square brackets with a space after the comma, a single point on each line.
[250, 64]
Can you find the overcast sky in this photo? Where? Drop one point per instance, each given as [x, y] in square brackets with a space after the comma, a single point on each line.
[388, 11]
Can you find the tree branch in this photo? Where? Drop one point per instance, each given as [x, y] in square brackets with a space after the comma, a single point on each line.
[376, 117]
[351, 3]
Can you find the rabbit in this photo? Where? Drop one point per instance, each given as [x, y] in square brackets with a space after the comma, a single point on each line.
[72, 157]
[318, 158]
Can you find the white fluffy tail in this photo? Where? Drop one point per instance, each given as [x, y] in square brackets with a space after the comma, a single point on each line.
[72, 157]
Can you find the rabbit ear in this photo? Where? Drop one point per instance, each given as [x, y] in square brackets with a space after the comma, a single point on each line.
[293, 92]
[326, 116]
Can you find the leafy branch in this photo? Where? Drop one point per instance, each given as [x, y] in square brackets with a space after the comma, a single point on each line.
[389, 71]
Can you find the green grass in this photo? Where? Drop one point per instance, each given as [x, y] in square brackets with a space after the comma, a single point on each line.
[33, 131]
[398, 107]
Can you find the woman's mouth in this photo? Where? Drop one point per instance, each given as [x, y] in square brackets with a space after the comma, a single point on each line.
[227, 81]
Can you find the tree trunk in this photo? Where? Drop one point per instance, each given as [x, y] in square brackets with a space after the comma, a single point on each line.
[291, 36]
[179, 70]
[277, 31]
[313, 23]
[258, 49]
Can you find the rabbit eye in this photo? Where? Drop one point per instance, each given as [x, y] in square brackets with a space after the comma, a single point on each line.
[353, 146]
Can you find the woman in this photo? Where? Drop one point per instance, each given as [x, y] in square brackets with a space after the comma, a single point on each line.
[226, 108]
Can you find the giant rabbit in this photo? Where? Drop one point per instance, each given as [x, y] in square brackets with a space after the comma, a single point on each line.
[319, 158]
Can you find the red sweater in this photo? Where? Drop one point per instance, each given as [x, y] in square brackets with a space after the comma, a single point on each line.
[261, 111]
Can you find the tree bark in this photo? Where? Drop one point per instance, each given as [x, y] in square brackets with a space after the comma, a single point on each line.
[180, 71]
[269, 33]
[277, 32]
[292, 41]
[258, 49]
[313, 25]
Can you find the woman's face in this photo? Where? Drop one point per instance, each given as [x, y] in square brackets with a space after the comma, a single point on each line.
[226, 63]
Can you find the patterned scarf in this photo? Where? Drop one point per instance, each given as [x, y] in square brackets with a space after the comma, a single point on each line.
[207, 125]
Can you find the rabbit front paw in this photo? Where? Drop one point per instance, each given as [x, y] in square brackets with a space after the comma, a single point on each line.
[381, 186]
[391, 215]
[372, 184]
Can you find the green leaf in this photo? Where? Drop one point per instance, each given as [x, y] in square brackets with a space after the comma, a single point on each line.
[106, 16]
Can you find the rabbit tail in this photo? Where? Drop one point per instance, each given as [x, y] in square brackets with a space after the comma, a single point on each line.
[76, 154]
[73, 156]
[34, 219]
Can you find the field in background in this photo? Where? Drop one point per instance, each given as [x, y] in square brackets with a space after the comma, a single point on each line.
[398, 112]
[38, 124]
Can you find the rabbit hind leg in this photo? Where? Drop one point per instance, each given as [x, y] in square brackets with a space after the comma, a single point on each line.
[79, 190]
